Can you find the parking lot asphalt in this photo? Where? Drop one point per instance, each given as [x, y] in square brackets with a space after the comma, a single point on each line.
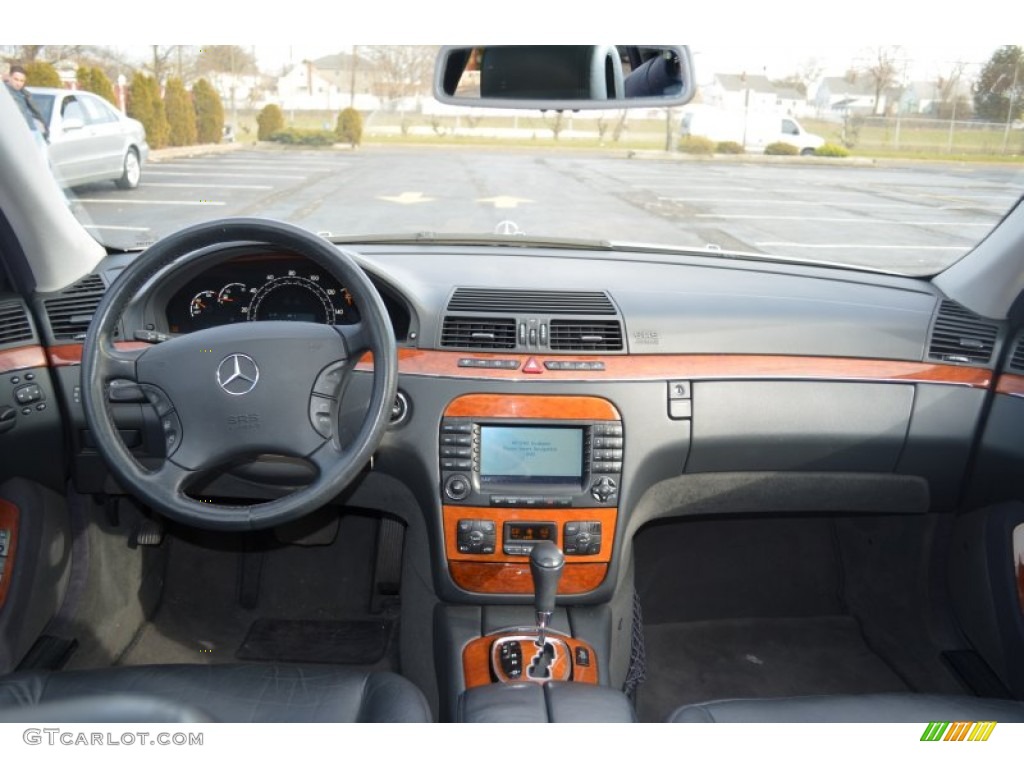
[913, 219]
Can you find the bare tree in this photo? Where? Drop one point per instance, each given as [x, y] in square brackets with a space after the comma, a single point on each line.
[951, 100]
[883, 67]
[27, 54]
[400, 72]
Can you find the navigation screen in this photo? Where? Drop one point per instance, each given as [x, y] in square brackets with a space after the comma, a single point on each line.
[531, 455]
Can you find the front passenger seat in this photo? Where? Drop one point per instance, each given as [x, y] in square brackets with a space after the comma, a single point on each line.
[233, 693]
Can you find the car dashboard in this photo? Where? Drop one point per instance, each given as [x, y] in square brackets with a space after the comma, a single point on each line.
[590, 396]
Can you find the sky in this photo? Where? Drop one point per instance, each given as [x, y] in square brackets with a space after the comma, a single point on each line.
[775, 37]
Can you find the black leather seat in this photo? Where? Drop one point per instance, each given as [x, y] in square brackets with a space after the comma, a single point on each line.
[868, 708]
[234, 693]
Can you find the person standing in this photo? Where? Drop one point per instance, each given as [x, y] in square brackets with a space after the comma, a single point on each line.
[16, 85]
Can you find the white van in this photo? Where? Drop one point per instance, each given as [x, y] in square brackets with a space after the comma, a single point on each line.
[753, 130]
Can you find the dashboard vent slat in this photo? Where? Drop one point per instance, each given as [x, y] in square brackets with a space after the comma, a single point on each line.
[539, 302]
[14, 323]
[479, 333]
[960, 336]
[1017, 361]
[71, 312]
[585, 335]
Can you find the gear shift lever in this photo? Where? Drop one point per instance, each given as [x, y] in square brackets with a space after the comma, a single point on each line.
[546, 563]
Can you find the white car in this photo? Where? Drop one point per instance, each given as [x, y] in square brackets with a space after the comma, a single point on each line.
[90, 140]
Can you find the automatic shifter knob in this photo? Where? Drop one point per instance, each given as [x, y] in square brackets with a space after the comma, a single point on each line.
[546, 563]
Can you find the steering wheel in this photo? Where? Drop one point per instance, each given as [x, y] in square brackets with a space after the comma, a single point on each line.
[239, 391]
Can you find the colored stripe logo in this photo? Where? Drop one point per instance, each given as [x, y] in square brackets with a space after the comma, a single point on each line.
[958, 731]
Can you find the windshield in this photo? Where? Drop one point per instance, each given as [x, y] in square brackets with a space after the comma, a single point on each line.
[891, 158]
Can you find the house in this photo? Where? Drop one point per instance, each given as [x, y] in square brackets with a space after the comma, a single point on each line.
[742, 91]
[853, 93]
[327, 83]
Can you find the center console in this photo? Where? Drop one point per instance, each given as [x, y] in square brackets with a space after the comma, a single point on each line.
[518, 470]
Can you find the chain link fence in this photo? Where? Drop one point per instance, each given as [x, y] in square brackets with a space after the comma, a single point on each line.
[929, 136]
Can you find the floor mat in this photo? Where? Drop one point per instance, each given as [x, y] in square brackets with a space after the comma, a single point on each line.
[737, 658]
[325, 642]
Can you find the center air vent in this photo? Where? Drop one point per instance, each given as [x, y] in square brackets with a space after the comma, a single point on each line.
[14, 323]
[479, 333]
[1017, 361]
[586, 336]
[537, 302]
[72, 311]
[960, 336]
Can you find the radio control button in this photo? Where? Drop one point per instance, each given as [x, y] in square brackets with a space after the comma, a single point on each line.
[457, 487]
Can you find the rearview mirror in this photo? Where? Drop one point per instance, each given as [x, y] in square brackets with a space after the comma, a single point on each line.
[564, 76]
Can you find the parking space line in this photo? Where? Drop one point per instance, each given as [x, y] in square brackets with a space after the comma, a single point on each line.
[825, 203]
[206, 186]
[843, 220]
[123, 201]
[226, 175]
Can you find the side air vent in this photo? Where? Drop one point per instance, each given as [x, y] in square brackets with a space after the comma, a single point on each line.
[537, 302]
[14, 323]
[1017, 361]
[479, 333]
[960, 336]
[586, 336]
[72, 311]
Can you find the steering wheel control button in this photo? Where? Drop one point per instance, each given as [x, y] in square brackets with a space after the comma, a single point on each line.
[151, 336]
[157, 398]
[321, 411]
[171, 425]
[328, 382]
[238, 374]
[125, 391]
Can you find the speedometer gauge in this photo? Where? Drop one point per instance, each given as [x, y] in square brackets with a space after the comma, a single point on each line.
[295, 298]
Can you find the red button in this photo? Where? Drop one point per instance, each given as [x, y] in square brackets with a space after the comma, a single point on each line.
[532, 366]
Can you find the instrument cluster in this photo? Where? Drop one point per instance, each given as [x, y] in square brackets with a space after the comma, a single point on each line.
[261, 289]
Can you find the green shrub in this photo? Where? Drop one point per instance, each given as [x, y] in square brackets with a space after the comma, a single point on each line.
[95, 80]
[146, 106]
[42, 74]
[209, 113]
[304, 138]
[181, 117]
[269, 121]
[696, 145]
[729, 148]
[781, 148]
[831, 150]
[350, 127]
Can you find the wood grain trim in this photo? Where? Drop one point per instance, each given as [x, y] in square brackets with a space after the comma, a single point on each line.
[1010, 384]
[533, 407]
[515, 579]
[71, 354]
[476, 661]
[607, 516]
[693, 367]
[22, 357]
[9, 520]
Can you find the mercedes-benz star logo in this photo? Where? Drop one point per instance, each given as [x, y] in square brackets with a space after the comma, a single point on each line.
[237, 374]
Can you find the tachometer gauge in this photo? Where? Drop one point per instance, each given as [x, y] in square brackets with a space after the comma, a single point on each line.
[203, 303]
